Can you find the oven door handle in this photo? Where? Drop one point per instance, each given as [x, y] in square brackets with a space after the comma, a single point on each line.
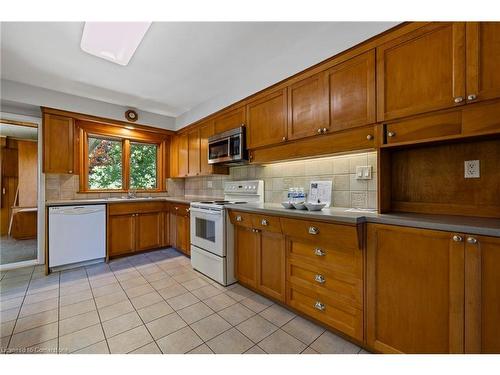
[205, 211]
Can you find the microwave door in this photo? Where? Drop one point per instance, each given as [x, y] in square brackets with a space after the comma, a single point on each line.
[219, 151]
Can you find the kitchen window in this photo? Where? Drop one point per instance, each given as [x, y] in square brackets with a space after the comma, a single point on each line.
[120, 160]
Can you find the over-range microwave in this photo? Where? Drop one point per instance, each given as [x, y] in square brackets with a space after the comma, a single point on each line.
[228, 147]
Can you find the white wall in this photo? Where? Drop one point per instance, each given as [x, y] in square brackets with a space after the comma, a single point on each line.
[27, 95]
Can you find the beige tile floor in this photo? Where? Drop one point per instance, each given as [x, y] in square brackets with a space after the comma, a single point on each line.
[148, 303]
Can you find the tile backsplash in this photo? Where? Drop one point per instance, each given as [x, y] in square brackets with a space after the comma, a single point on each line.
[347, 191]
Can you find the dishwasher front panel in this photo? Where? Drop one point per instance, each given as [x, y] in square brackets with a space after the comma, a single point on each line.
[76, 234]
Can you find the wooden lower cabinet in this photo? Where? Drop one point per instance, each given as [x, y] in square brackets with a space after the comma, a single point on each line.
[121, 234]
[134, 227]
[246, 243]
[180, 236]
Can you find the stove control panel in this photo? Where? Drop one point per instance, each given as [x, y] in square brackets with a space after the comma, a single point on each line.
[254, 187]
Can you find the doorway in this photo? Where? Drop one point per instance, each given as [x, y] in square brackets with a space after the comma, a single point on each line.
[20, 187]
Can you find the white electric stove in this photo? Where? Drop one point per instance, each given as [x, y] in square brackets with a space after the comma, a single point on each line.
[212, 234]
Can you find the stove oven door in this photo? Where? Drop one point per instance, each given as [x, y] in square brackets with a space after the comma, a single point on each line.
[207, 230]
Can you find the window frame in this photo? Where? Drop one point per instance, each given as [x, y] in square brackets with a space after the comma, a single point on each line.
[126, 136]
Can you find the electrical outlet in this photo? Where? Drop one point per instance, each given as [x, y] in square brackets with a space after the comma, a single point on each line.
[472, 169]
[364, 172]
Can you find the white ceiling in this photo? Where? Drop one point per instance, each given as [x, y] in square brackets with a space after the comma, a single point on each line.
[19, 132]
[180, 68]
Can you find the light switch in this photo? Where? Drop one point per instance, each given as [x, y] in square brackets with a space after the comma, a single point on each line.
[364, 172]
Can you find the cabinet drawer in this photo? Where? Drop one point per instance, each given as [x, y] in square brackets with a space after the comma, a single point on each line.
[338, 285]
[135, 207]
[424, 128]
[344, 318]
[336, 236]
[241, 218]
[348, 260]
[267, 223]
[180, 209]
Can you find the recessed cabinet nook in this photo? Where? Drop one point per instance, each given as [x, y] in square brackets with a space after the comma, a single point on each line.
[426, 97]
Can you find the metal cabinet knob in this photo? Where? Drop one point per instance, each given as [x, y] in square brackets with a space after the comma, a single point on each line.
[458, 99]
[264, 222]
[369, 137]
[319, 131]
[391, 134]
[319, 252]
[319, 306]
[472, 240]
[283, 139]
[255, 230]
[70, 171]
[325, 130]
[313, 230]
[319, 279]
[457, 238]
[238, 218]
[471, 97]
[188, 209]
[176, 208]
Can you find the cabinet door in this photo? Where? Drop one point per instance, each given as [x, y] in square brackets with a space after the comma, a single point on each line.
[121, 234]
[174, 156]
[421, 71]
[352, 92]
[182, 152]
[194, 152]
[483, 60]
[246, 241]
[271, 265]
[149, 230]
[482, 294]
[206, 131]
[58, 144]
[415, 290]
[229, 120]
[182, 234]
[166, 229]
[172, 225]
[308, 107]
[267, 119]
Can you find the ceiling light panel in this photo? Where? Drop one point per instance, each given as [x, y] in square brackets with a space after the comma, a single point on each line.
[113, 41]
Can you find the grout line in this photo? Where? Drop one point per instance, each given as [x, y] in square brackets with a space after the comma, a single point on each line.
[98, 314]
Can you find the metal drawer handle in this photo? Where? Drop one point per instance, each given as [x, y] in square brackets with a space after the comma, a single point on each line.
[313, 230]
[319, 306]
[391, 134]
[319, 279]
[471, 97]
[472, 240]
[238, 218]
[319, 252]
[264, 222]
[369, 137]
[458, 99]
[319, 131]
[457, 238]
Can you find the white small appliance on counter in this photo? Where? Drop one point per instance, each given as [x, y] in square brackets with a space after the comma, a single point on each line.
[212, 234]
[77, 235]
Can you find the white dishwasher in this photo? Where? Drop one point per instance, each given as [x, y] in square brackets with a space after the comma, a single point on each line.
[76, 234]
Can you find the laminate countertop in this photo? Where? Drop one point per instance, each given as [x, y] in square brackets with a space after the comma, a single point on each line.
[459, 224]
[185, 199]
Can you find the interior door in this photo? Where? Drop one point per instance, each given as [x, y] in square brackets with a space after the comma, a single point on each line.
[421, 71]
[308, 110]
[149, 230]
[415, 290]
[483, 60]
[482, 294]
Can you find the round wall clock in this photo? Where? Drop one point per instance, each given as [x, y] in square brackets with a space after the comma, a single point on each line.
[131, 115]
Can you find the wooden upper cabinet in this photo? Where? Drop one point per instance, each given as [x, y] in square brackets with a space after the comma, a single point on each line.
[421, 71]
[415, 290]
[183, 155]
[58, 144]
[194, 152]
[174, 156]
[206, 131]
[482, 294]
[267, 119]
[352, 92]
[229, 120]
[308, 107]
[483, 60]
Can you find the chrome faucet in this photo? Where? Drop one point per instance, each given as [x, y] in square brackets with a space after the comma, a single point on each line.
[131, 194]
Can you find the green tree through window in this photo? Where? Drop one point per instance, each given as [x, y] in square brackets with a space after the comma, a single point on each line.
[143, 166]
[105, 163]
